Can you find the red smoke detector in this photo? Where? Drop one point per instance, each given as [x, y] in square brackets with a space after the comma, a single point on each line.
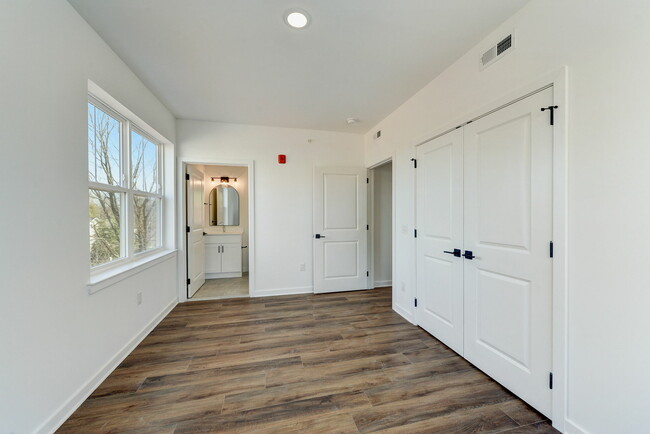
[282, 159]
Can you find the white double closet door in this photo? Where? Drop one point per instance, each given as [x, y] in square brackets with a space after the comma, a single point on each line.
[486, 190]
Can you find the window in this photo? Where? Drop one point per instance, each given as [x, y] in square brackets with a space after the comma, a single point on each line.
[125, 188]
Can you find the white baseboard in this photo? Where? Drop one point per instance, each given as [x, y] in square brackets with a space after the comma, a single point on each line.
[404, 313]
[383, 283]
[65, 411]
[283, 291]
[222, 275]
[573, 428]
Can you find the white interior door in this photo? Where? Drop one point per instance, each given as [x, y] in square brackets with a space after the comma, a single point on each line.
[340, 237]
[440, 238]
[508, 228]
[195, 243]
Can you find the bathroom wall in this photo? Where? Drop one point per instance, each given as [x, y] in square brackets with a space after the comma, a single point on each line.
[241, 173]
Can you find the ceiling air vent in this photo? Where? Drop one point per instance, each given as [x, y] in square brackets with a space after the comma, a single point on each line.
[503, 47]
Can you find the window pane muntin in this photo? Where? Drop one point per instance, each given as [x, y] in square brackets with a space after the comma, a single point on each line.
[144, 163]
[105, 209]
[104, 146]
[146, 223]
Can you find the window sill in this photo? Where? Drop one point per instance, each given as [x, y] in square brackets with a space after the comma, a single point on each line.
[110, 277]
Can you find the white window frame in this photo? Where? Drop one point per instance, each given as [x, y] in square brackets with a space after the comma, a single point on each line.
[128, 192]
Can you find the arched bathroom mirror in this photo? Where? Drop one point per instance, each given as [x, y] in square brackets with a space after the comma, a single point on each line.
[224, 206]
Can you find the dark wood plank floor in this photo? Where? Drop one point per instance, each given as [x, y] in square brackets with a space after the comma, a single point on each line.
[307, 363]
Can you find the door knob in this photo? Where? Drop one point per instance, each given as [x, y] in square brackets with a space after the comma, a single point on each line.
[319, 236]
[456, 253]
[469, 255]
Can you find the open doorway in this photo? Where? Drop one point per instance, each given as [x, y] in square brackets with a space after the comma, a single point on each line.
[217, 233]
[381, 225]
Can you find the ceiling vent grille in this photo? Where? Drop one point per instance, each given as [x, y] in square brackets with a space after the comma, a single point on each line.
[503, 47]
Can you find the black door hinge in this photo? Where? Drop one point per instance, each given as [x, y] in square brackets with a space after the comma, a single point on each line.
[367, 180]
[552, 109]
[415, 233]
[187, 228]
[415, 163]
[550, 380]
[187, 176]
[550, 249]
[416, 302]
[188, 281]
[367, 273]
[367, 227]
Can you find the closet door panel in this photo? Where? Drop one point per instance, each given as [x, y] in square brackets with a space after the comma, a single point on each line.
[439, 216]
[508, 228]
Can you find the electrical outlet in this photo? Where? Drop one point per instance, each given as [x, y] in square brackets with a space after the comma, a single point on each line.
[139, 298]
[303, 267]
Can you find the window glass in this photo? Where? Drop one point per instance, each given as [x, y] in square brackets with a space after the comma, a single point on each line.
[125, 194]
[104, 210]
[104, 147]
[147, 223]
[144, 164]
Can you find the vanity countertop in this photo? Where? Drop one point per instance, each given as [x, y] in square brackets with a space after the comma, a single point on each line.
[218, 230]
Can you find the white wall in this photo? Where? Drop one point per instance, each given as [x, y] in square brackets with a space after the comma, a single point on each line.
[241, 173]
[605, 45]
[283, 192]
[383, 224]
[55, 337]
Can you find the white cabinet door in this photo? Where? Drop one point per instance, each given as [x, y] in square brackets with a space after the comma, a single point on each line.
[440, 232]
[508, 228]
[341, 239]
[230, 258]
[195, 244]
[212, 258]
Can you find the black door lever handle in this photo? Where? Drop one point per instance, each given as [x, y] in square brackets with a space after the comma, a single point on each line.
[456, 252]
[318, 236]
[469, 255]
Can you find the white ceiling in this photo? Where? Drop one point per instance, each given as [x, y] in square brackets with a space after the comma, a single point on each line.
[237, 61]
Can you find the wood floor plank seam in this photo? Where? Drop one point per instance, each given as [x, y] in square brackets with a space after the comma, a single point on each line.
[324, 363]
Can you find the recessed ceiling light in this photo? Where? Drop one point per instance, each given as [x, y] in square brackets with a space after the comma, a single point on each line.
[297, 19]
[352, 120]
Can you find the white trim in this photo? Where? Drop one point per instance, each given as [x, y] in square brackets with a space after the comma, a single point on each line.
[559, 82]
[571, 427]
[214, 276]
[106, 99]
[67, 408]
[182, 219]
[403, 312]
[560, 410]
[283, 291]
[382, 283]
[116, 274]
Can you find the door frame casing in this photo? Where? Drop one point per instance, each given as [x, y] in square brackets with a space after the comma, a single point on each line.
[182, 163]
[559, 82]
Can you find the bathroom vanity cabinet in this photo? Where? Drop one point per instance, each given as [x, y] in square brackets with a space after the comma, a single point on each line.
[223, 257]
